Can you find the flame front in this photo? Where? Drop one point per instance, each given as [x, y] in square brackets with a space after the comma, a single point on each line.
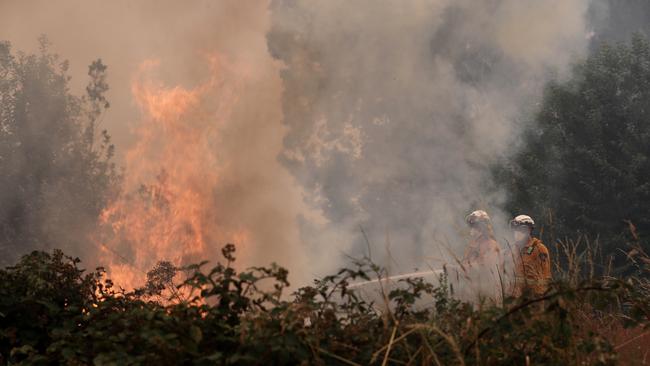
[167, 209]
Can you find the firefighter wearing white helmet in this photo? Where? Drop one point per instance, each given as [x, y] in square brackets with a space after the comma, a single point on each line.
[532, 260]
[481, 261]
[483, 248]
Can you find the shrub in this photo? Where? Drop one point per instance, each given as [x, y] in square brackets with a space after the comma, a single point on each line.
[51, 312]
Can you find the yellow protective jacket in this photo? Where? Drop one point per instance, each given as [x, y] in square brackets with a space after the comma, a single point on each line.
[481, 265]
[484, 251]
[532, 268]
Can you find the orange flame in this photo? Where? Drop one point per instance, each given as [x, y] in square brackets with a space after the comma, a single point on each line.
[167, 210]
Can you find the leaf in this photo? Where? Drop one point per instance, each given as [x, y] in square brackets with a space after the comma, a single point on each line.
[214, 357]
[23, 350]
[52, 307]
[196, 334]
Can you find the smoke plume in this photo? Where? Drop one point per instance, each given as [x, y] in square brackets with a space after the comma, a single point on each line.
[395, 113]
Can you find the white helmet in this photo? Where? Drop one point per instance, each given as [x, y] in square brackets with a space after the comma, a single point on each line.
[478, 216]
[522, 220]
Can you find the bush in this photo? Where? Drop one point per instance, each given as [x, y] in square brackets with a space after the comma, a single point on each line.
[53, 313]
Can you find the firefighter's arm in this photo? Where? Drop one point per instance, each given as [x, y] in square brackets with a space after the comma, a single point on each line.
[545, 263]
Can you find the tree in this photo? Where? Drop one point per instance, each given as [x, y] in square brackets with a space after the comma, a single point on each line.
[584, 166]
[57, 171]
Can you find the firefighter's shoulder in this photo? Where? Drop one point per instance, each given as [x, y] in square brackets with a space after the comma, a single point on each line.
[540, 248]
[492, 244]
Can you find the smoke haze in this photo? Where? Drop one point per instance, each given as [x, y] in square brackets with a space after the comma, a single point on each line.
[346, 114]
[395, 113]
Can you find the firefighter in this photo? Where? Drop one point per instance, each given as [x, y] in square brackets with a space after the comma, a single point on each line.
[483, 248]
[482, 260]
[532, 260]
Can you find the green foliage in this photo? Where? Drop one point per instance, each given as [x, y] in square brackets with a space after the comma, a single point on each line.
[583, 166]
[53, 313]
[57, 170]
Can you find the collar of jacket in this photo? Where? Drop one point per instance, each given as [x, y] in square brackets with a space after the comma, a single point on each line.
[530, 246]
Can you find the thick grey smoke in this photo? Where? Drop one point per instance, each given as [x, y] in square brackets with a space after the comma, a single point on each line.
[379, 114]
[396, 112]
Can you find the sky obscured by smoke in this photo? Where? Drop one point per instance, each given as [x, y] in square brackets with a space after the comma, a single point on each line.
[353, 113]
